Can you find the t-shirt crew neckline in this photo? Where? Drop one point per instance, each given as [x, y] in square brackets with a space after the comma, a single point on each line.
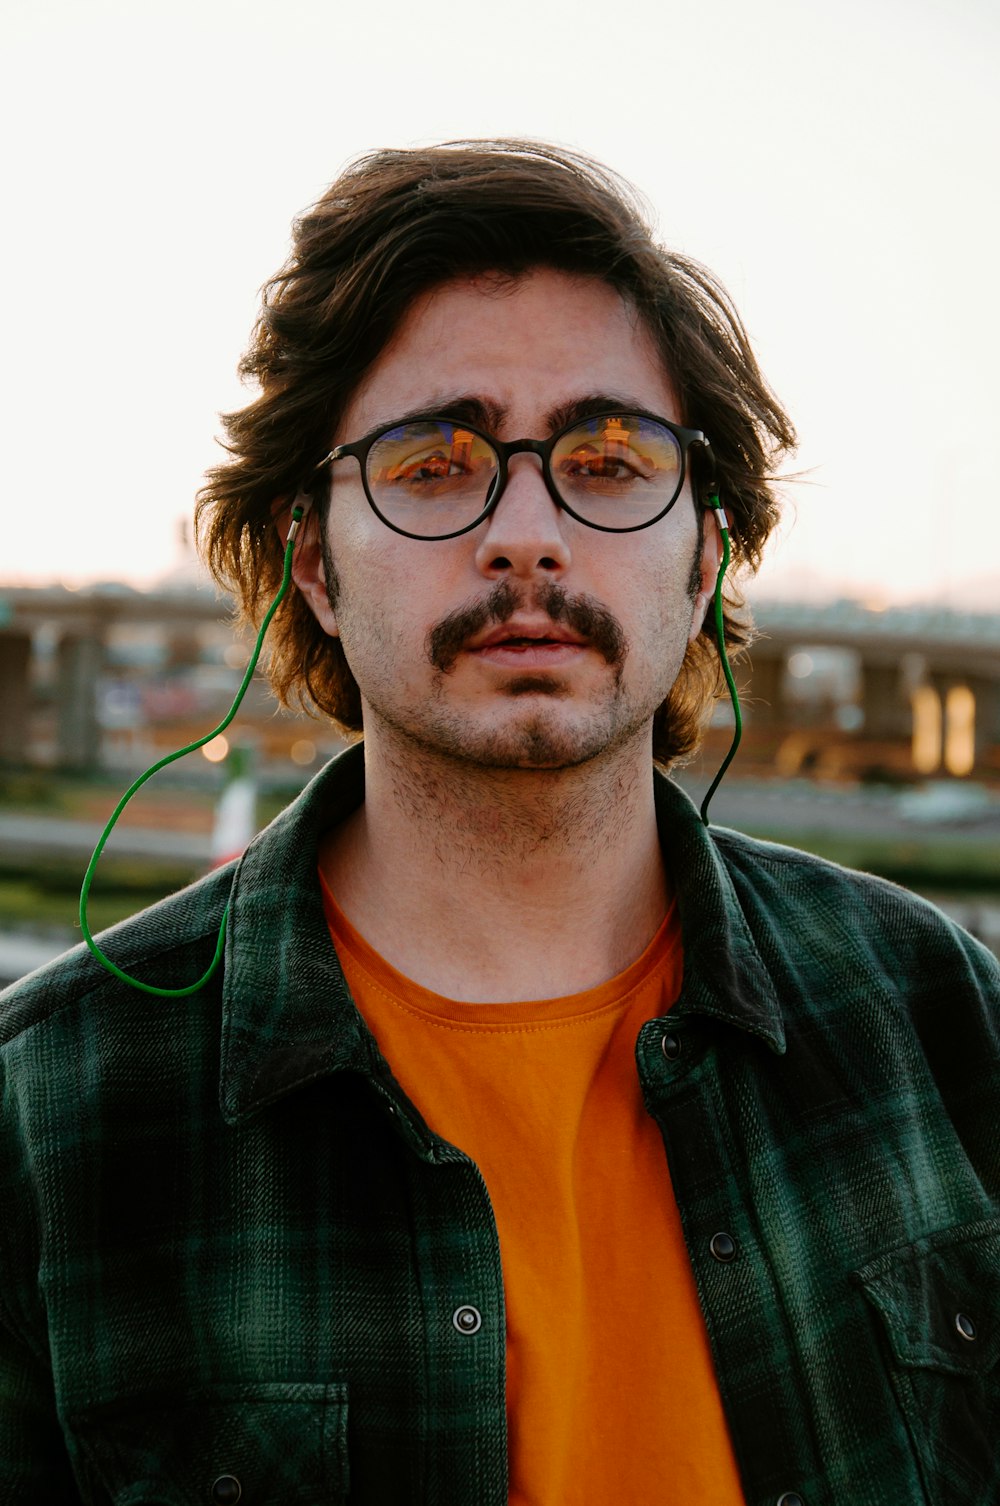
[612, 995]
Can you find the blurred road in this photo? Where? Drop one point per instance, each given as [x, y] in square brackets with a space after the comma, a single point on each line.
[967, 813]
[769, 807]
[54, 836]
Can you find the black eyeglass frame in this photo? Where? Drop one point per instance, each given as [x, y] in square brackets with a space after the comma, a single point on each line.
[359, 449]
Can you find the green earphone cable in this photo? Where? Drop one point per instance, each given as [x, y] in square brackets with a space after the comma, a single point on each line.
[297, 512]
[149, 988]
[720, 635]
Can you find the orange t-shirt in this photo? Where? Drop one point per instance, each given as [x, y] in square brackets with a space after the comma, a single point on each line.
[611, 1391]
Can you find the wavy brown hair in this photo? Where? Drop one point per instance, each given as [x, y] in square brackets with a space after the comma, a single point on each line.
[395, 224]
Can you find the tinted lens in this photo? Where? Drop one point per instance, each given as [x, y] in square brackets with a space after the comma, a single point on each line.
[431, 477]
[618, 471]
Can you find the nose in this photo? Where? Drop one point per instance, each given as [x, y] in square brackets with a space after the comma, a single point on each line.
[525, 534]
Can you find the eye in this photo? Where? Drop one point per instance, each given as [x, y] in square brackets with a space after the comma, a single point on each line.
[435, 467]
[616, 456]
[427, 458]
[605, 469]
[586, 463]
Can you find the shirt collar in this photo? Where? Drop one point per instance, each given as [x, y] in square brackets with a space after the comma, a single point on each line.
[288, 1016]
[725, 976]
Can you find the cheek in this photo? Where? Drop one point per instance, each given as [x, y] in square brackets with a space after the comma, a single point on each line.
[664, 586]
[383, 612]
[659, 613]
[360, 552]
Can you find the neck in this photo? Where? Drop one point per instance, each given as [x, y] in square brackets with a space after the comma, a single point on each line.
[488, 884]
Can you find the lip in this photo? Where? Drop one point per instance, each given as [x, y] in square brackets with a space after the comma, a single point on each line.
[526, 634]
[530, 654]
[527, 643]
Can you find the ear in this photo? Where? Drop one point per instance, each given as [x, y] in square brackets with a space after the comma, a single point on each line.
[709, 564]
[308, 567]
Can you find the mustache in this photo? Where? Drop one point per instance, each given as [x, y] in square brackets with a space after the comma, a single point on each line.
[584, 614]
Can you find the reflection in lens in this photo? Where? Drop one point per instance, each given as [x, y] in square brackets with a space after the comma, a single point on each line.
[617, 470]
[431, 477]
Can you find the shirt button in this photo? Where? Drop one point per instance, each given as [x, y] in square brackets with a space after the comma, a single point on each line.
[467, 1319]
[790, 1498]
[226, 1491]
[670, 1045]
[723, 1247]
[965, 1326]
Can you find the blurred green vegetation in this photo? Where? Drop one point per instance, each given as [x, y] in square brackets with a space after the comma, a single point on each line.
[45, 896]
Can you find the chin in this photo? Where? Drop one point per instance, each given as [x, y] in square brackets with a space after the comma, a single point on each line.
[534, 741]
[533, 730]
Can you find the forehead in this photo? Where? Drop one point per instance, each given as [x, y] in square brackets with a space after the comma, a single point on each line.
[524, 347]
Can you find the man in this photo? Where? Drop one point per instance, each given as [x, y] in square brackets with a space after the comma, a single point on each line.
[381, 1212]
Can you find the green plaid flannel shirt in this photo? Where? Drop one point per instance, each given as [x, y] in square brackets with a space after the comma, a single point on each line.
[236, 1263]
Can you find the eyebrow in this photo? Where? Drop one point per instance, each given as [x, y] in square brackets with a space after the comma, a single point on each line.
[579, 408]
[482, 413]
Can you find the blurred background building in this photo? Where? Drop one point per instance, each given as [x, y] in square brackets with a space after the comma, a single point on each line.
[112, 677]
[870, 736]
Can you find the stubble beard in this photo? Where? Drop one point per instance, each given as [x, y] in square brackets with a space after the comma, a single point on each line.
[534, 740]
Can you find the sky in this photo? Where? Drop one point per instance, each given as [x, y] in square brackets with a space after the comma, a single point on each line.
[835, 166]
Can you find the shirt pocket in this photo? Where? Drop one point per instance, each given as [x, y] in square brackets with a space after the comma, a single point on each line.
[255, 1445]
[939, 1305]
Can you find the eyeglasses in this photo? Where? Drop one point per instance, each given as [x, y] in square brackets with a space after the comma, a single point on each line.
[432, 478]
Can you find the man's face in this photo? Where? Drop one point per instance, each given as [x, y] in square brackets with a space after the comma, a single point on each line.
[533, 641]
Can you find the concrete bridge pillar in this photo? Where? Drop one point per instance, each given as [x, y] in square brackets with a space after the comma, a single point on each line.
[884, 701]
[80, 661]
[764, 697]
[987, 695]
[183, 649]
[15, 696]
